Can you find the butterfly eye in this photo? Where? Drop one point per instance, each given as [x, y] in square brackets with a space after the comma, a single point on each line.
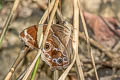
[65, 59]
[47, 46]
[47, 56]
[59, 60]
[54, 60]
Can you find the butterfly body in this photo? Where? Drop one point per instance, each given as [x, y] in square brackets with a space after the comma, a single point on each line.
[54, 53]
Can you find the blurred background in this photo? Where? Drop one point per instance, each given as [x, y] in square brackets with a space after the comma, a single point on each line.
[29, 12]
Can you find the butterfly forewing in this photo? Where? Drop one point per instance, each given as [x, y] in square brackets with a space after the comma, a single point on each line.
[28, 35]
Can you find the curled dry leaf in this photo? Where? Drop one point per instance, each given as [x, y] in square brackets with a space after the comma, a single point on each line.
[103, 33]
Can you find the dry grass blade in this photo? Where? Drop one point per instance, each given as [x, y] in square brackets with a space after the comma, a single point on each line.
[21, 75]
[50, 21]
[76, 38]
[40, 35]
[87, 38]
[44, 40]
[8, 21]
[56, 75]
[18, 60]
[47, 12]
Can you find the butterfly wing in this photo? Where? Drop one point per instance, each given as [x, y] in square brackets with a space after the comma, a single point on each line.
[62, 32]
[29, 36]
[54, 53]
[58, 39]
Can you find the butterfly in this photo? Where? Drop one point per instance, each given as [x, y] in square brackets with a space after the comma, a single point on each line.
[55, 49]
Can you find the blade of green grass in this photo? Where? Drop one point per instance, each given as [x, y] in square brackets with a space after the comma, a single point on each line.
[35, 69]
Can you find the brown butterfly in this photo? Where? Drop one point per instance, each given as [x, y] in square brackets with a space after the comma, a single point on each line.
[55, 50]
